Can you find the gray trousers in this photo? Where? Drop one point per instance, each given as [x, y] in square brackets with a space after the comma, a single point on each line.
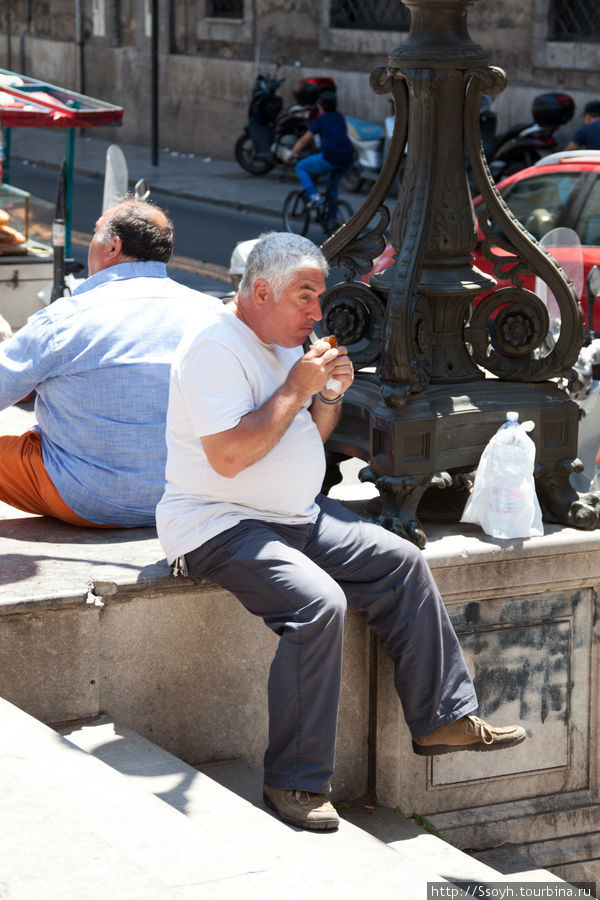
[300, 579]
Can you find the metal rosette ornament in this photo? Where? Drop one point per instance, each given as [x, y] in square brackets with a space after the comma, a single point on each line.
[509, 329]
[355, 314]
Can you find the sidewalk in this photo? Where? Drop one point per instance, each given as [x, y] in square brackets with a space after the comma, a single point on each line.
[218, 181]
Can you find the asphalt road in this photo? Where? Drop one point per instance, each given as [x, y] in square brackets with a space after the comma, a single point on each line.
[205, 233]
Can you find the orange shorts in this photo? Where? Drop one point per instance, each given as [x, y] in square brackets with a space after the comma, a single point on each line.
[25, 484]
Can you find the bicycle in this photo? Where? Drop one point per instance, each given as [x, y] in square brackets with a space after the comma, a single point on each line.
[298, 214]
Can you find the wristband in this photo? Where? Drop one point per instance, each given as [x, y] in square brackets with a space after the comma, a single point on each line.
[330, 402]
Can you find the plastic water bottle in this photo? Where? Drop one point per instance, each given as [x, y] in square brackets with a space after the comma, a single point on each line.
[512, 420]
[508, 482]
[503, 500]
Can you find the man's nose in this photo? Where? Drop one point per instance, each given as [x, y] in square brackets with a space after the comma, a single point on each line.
[315, 312]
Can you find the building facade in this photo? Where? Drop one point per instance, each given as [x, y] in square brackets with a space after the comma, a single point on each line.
[208, 52]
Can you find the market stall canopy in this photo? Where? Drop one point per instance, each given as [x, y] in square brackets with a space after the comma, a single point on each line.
[29, 103]
[26, 102]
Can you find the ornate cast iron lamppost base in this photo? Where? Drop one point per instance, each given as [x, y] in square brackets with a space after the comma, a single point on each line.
[438, 370]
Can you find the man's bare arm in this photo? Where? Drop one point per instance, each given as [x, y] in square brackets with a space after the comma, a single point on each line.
[231, 451]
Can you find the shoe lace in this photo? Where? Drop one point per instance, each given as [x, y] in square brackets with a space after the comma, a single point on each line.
[482, 728]
[301, 797]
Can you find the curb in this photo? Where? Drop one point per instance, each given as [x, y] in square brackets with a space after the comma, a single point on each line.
[156, 189]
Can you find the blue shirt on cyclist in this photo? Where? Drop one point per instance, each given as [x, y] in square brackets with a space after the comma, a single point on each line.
[336, 153]
[335, 143]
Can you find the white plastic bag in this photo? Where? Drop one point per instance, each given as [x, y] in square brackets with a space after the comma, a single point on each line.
[503, 500]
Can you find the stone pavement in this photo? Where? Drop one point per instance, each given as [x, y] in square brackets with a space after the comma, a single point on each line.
[218, 181]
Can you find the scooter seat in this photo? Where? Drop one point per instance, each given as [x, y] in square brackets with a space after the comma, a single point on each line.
[362, 130]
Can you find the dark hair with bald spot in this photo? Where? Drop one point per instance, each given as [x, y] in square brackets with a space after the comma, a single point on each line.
[146, 232]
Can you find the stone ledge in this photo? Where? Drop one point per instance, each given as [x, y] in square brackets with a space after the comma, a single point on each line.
[95, 565]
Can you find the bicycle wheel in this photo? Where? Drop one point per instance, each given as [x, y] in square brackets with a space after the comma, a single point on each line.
[342, 214]
[296, 213]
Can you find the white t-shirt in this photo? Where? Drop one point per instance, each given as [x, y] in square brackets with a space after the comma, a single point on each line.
[220, 374]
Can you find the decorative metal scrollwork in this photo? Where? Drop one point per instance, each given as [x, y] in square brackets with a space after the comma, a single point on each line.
[357, 255]
[354, 246]
[511, 357]
[410, 352]
[354, 313]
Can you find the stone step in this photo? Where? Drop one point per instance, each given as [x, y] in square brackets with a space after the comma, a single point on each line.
[574, 813]
[583, 866]
[511, 865]
[73, 826]
[225, 798]
[94, 809]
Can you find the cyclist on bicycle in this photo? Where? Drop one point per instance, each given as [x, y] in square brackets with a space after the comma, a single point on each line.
[336, 153]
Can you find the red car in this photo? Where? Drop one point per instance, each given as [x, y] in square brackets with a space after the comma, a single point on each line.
[561, 190]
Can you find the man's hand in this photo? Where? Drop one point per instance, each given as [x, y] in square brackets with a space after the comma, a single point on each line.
[302, 141]
[342, 373]
[321, 363]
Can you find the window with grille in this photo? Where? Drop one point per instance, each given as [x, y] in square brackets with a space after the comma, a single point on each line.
[372, 15]
[575, 20]
[225, 9]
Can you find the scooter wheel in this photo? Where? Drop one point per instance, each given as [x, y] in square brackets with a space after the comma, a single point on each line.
[518, 164]
[244, 153]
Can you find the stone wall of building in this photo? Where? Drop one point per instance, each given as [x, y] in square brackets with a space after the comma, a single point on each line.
[207, 66]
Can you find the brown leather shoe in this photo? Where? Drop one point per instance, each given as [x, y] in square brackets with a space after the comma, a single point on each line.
[302, 808]
[468, 733]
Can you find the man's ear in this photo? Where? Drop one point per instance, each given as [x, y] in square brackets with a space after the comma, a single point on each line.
[262, 292]
[114, 249]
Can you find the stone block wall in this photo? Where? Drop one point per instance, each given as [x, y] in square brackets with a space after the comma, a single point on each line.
[183, 664]
[526, 613]
[207, 66]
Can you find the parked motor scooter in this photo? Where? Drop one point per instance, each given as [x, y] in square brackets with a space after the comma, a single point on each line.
[371, 141]
[271, 131]
[523, 145]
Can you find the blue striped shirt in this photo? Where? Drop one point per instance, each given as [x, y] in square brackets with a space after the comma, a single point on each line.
[99, 362]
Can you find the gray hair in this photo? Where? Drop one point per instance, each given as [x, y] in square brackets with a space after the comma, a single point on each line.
[276, 257]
